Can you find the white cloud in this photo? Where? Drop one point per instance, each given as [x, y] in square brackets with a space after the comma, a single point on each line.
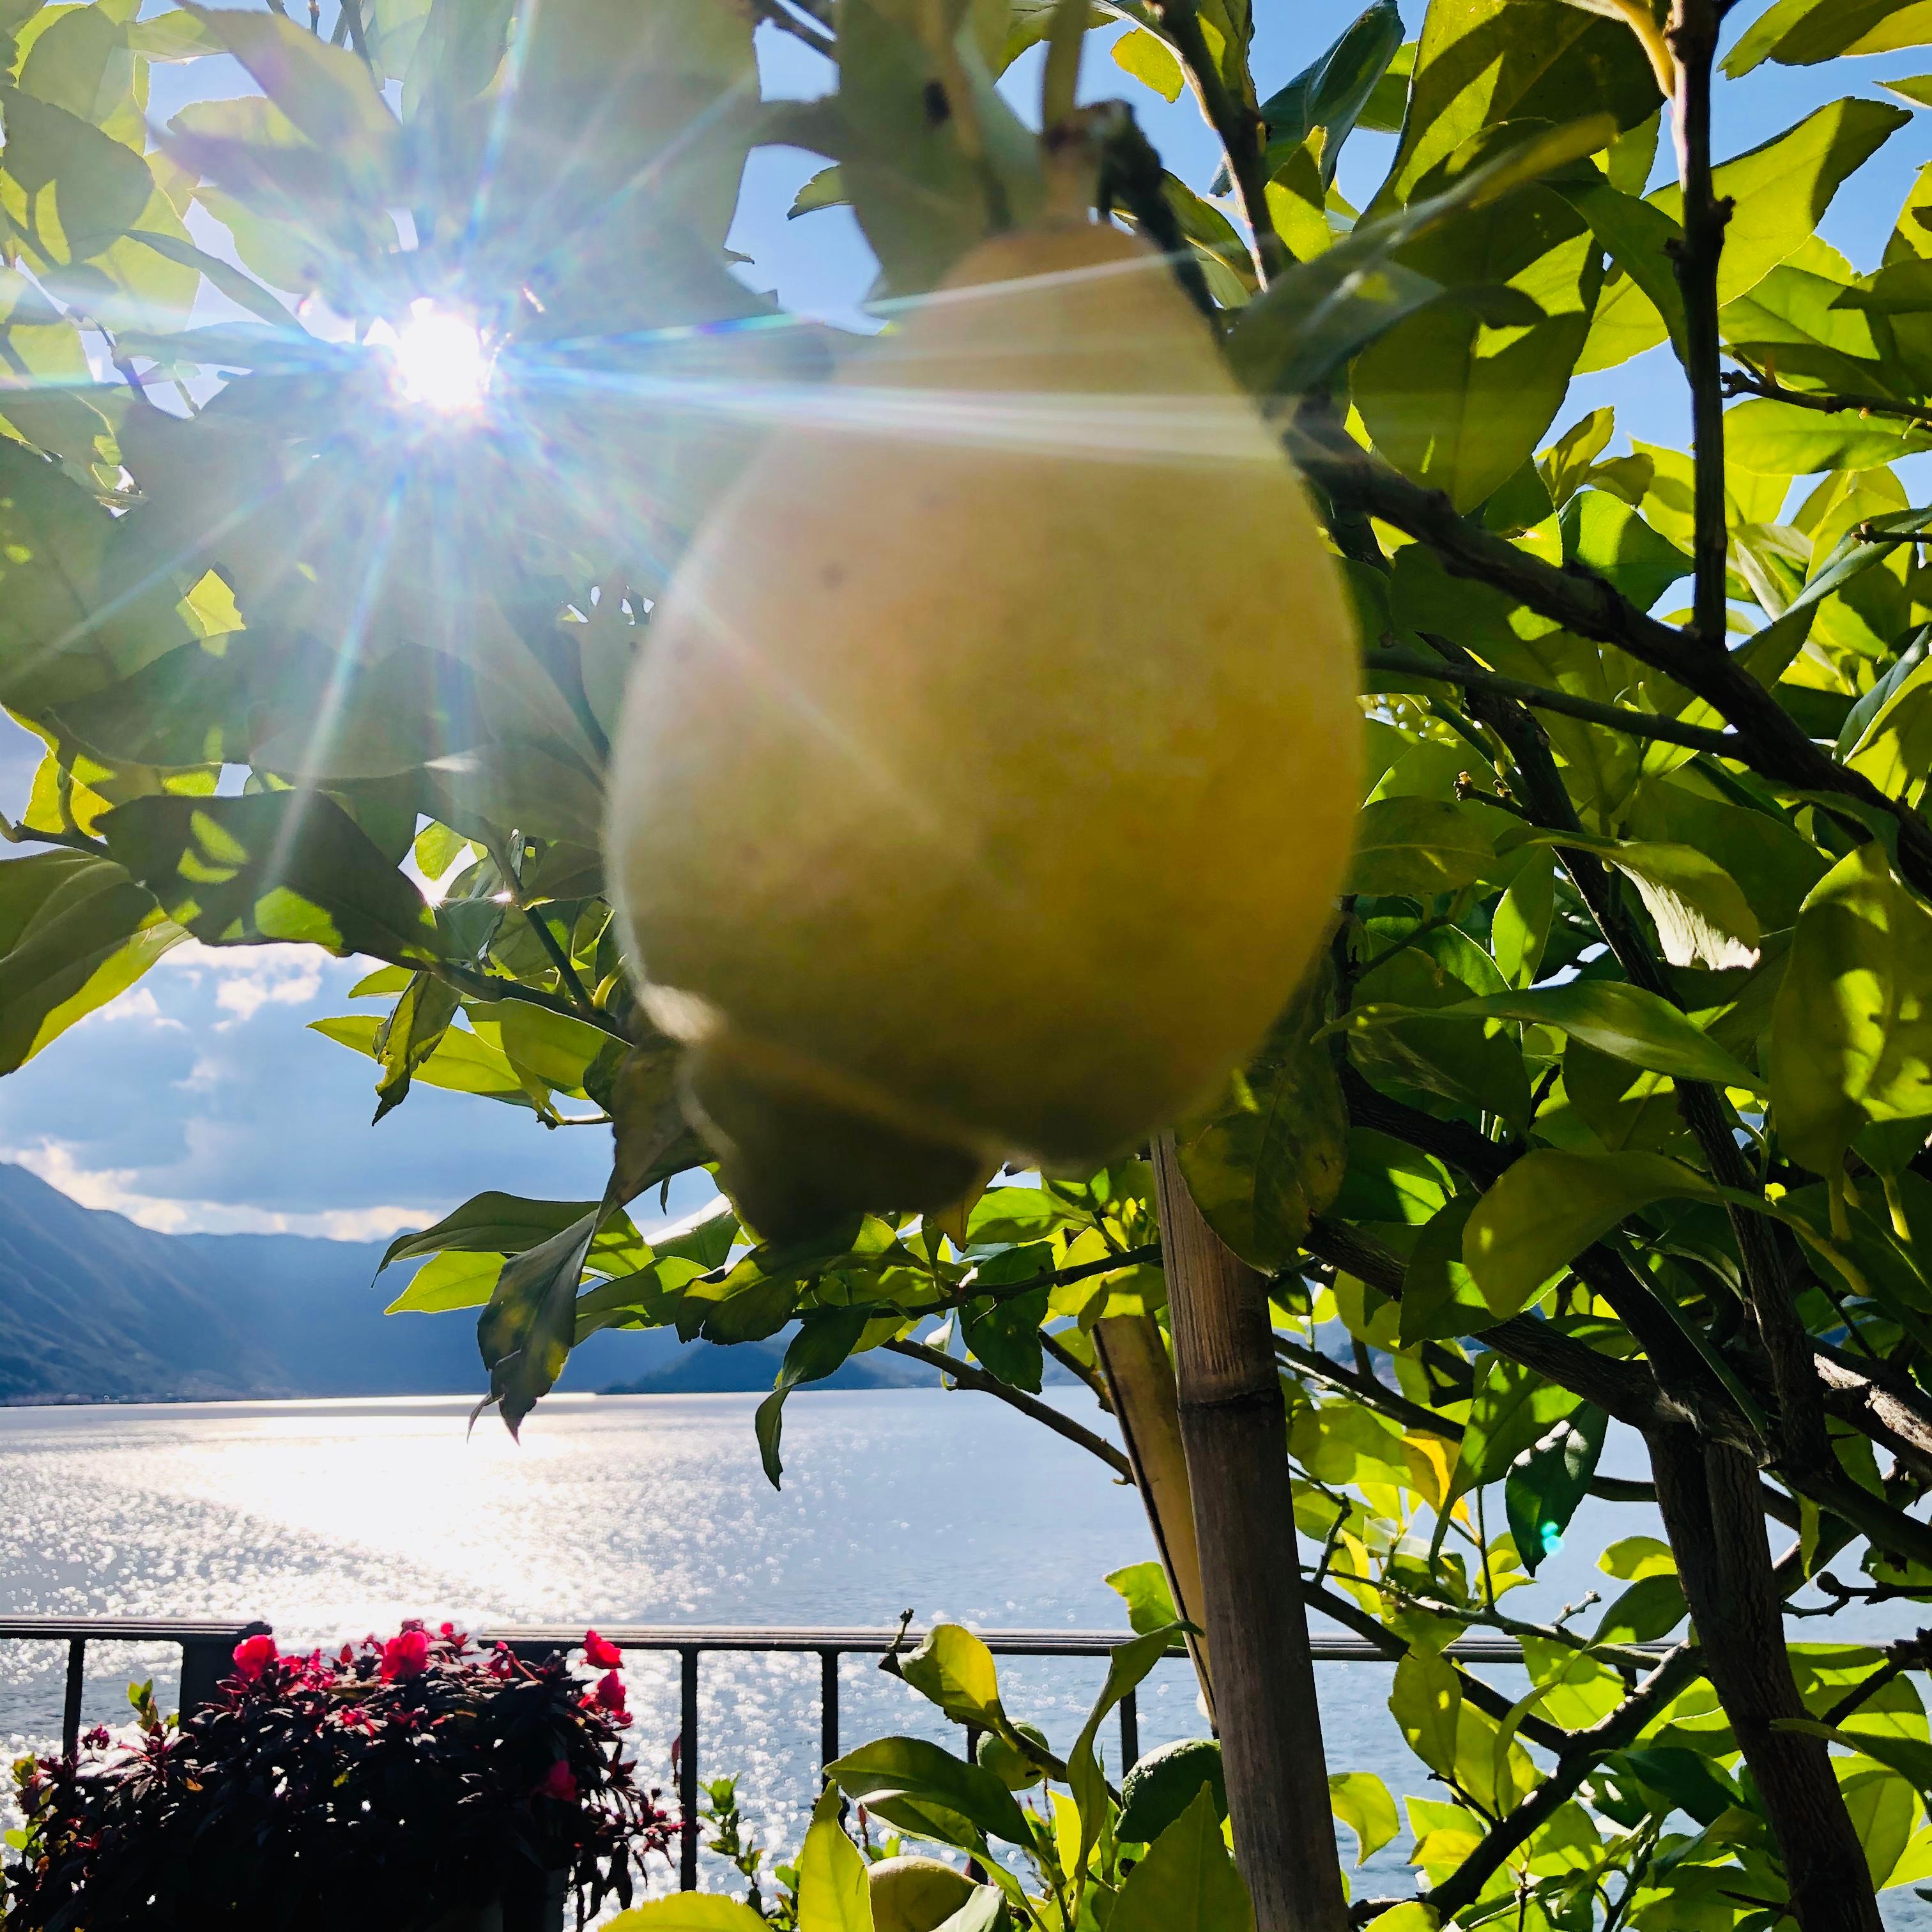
[112, 1189]
[140, 1004]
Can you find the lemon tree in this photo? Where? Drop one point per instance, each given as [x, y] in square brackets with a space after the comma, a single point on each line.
[356, 424]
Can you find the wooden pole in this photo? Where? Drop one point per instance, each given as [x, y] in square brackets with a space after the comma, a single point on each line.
[1140, 1383]
[1234, 1426]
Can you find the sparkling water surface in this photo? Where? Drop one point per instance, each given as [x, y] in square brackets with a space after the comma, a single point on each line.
[332, 1519]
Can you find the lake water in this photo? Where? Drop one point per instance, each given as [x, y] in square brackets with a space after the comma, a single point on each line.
[332, 1519]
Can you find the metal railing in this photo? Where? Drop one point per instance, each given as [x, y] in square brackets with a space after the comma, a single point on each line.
[207, 1649]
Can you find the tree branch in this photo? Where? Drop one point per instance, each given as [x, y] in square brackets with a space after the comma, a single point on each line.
[1616, 717]
[1692, 37]
[1770, 742]
[1492, 1702]
[1242, 132]
[968, 1377]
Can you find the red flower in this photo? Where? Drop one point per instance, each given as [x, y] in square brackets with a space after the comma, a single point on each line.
[610, 1695]
[407, 1655]
[600, 1653]
[560, 1783]
[254, 1654]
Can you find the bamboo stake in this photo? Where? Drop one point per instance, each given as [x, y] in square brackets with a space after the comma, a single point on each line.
[1140, 1383]
[1234, 1426]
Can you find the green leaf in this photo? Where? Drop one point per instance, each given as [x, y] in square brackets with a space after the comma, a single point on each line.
[881, 1775]
[1439, 1295]
[1332, 91]
[1652, 1607]
[1512, 1407]
[825, 1338]
[1143, 1588]
[1548, 1480]
[689, 1912]
[1187, 1882]
[449, 1282]
[460, 1061]
[1129, 1664]
[1426, 1700]
[1004, 1333]
[1852, 1030]
[833, 1893]
[1910, 1757]
[1270, 1156]
[1483, 62]
[1148, 59]
[1802, 33]
[1362, 1801]
[1780, 191]
[1459, 404]
[75, 933]
[1611, 1016]
[1778, 439]
[273, 867]
[1703, 918]
[1551, 1204]
[953, 1669]
[490, 1223]
[1604, 533]
[413, 1031]
[826, 189]
[325, 91]
[526, 1332]
[1318, 314]
[72, 191]
[1414, 848]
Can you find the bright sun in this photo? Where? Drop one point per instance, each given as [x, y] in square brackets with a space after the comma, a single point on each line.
[441, 362]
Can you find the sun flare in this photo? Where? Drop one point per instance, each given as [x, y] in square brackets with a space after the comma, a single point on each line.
[441, 361]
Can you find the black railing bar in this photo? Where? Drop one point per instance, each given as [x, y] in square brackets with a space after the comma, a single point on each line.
[828, 1706]
[118, 1629]
[687, 1769]
[76, 1671]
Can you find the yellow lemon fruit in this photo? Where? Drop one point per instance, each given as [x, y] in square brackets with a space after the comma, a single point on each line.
[915, 1894]
[991, 761]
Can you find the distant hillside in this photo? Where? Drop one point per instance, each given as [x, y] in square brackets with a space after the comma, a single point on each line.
[93, 1307]
[703, 1369]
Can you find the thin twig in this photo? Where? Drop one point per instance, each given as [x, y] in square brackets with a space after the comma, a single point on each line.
[1616, 717]
[810, 30]
[1749, 381]
[578, 993]
[967, 1376]
[485, 986]
[1068, 1360]
[74, 842]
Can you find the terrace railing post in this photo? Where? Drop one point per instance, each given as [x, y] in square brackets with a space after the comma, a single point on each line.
[207, 1659]
[76, 1671]
[828, 1707]
[1130, 1732]
[687, 1766]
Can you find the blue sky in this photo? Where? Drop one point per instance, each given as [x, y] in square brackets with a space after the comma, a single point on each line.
[202, 1102]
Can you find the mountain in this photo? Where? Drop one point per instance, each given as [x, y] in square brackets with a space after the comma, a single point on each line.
[93, 1308]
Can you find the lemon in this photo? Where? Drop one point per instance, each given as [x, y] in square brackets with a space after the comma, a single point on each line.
[915, 1894]
[991, 765]
[1165, 1782]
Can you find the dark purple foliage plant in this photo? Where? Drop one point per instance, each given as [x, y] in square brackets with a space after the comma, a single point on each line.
[386, 1787]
